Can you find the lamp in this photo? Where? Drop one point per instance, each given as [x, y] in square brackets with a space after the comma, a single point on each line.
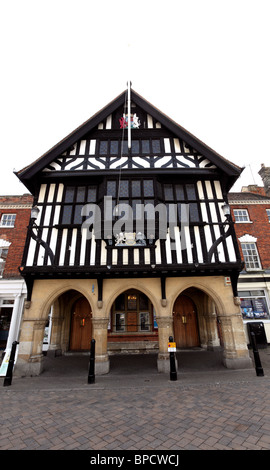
[226, 210]
[34, 212]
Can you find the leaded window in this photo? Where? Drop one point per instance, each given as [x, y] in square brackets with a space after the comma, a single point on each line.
[74, 200]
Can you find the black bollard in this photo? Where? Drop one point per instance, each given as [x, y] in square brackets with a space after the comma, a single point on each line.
[173, 373]
[8, 377]
[258, 365]
[91, 374]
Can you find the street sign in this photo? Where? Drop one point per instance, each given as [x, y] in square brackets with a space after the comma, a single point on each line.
[171, 347]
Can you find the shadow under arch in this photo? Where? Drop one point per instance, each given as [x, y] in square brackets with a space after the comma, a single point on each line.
[196, 311]
[70, 321]
[205, 289]
[132, 321]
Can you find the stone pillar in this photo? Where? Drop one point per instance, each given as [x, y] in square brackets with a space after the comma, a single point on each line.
[211, 328]
[100, 335]
[165, 330]
[30, 356]
[56, 333]
[236, 355]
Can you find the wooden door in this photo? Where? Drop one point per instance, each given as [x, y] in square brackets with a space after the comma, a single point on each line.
[186, 333]
[81, 326]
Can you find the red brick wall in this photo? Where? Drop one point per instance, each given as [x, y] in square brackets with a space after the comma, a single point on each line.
[259, 228]
[16, 235]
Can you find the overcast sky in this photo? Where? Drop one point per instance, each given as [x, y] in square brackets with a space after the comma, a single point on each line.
[204, 63]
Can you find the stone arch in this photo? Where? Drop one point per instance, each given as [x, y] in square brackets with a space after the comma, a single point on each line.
[227, 313]
[211, 293]
[63, 324]
[132, 326]
[55, 294]
[44, 295]
[198, 309]
[127, 286]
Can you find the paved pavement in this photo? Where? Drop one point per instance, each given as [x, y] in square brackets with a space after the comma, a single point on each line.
[134, 407]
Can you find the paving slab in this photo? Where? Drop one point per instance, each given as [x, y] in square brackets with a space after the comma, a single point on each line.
[136, 408]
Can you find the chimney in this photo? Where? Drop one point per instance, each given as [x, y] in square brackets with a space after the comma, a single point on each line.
[265, 175]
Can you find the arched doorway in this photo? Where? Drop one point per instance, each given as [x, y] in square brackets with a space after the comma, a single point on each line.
[81, 325]
[71, 323]
[186, 333]
[132, 326]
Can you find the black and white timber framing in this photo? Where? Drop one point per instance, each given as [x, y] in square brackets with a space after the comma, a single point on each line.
[165, 164]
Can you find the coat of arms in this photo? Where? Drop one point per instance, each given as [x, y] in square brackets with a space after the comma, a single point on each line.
[134, 121]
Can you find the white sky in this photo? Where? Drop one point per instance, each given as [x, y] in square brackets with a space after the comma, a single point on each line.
[204, 63]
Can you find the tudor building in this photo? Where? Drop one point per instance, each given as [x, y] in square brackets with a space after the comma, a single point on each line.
[171, 268]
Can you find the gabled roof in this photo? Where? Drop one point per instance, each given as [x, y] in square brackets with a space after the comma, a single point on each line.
[29, 172]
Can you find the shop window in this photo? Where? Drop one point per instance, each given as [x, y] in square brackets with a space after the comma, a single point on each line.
[6, 308]
[254, 304]
[241, 215]
[8, 220]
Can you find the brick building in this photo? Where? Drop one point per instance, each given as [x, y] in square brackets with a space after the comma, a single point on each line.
[251, 214]
[14, 220]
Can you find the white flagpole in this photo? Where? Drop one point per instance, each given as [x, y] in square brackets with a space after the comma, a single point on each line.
[129, 117]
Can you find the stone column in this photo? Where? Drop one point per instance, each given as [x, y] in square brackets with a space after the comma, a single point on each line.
[100, 334]
[211, 328]
[56, 333]
[236, 355]
[165, 330]
[30, 357]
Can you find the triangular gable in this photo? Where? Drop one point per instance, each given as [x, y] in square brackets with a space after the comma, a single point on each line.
[78, 142]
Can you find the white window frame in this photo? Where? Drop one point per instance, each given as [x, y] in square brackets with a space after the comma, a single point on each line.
[6, 218]
[241, 213]
[268, 214]
[4, 245]
[252, 259]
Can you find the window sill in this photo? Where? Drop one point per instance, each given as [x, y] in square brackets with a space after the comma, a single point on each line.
[254, 270]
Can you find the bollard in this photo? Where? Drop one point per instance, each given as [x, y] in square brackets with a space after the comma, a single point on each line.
[91, 374]
[258, 365]
[8, 377]
[173, 373]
